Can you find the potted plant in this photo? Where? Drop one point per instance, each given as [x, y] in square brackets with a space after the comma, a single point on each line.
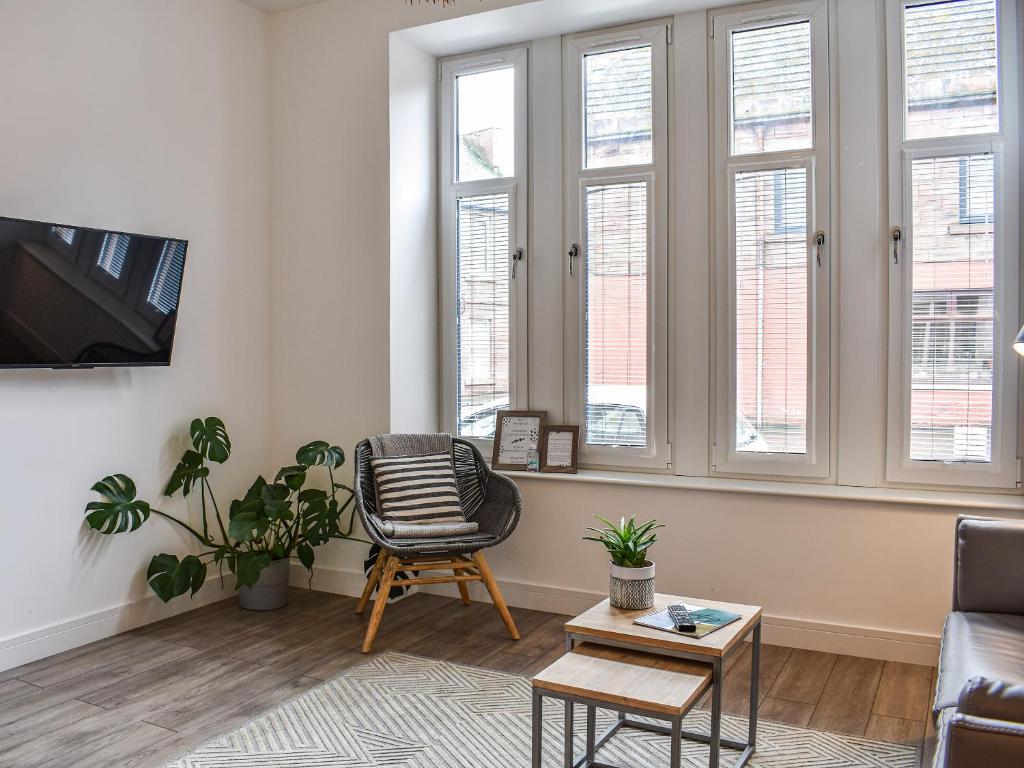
[631, 582]
[263, 530]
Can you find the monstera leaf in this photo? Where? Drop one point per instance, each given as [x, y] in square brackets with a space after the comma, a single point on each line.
[276, 505]
[293, 477]
[319, 516]
[306, 555]
[190, 470]
[318, 453]
[121, 512]
[248, 566]
[210, 438]
[248, 525]
[252, 497]
[169, 577]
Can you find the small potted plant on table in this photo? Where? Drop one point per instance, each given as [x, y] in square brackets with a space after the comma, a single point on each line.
[631, 582]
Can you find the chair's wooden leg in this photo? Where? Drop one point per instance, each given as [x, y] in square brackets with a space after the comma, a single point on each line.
[383, 590]
[496, 597]
[372, 580]
[463, 590]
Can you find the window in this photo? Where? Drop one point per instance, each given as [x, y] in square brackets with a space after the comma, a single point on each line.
[770, 87]
[772, 209]
[485, 105]
[166, 285]
[615, 84]
[975, 190]
[789, 192]
[726, 336]
[950, 68]
[619, 108]
[953, 273]
[483, 177]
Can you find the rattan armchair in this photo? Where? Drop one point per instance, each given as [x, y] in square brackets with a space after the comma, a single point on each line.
[488, 499]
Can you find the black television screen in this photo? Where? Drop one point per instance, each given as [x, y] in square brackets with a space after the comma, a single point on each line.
[81, 297]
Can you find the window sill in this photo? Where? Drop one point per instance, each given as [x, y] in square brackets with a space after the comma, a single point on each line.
[950, 499]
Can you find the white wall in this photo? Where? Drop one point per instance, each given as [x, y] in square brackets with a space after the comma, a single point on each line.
[413, 264]
[148, 116]
[860, 575]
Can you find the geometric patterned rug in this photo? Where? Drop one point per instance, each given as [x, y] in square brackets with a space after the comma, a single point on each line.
[403, 711]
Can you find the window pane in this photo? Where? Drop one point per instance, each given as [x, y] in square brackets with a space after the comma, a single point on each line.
[951, 68]
[771, 89]
[616, 314]
[483, 312]
[113, 253]
[952, 328]
[618, 107]
[486, 124]
[771, 311]
[163, 291]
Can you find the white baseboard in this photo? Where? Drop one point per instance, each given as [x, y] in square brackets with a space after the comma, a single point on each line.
[56, 638]
[868, 642]
[797, 633]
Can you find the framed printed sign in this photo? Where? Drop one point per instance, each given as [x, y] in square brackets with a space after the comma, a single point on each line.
[559, 450]
[516, 434]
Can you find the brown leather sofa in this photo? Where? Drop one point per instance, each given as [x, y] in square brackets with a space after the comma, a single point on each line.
[979, 697]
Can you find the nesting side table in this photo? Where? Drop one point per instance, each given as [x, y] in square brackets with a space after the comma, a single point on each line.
[614, 627]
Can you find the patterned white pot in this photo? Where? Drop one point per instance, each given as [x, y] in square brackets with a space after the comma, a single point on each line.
[631, 589]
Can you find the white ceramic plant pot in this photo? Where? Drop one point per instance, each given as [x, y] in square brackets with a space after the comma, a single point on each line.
[631, 589]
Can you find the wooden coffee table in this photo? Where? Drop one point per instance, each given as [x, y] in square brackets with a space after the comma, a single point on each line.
[605, 625]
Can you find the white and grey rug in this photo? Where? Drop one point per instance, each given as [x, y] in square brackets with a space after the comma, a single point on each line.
[398, 710]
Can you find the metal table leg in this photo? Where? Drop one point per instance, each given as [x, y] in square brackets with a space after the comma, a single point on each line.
[538, 728]
[676, 753]
[755, 671]
[591, 732]
[569, 720]
[715, 741]
[568, 760]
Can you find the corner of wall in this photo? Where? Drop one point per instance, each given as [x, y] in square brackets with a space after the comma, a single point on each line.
[413, 306]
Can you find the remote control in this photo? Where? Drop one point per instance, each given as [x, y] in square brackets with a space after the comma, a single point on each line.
[681, 618]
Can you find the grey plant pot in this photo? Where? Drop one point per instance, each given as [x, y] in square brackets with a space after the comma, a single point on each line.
[271, 590]
[631, 589]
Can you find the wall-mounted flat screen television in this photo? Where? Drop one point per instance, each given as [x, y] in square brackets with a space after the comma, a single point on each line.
[75, 297]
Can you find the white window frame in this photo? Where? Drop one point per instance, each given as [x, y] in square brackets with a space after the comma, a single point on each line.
[451, 191]
[725, 459]
[656, 455]
[1002, 471]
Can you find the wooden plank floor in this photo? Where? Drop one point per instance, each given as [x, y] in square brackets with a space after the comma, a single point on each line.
[141, 698]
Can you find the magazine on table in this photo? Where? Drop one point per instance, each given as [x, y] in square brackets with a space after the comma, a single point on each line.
[706, 619]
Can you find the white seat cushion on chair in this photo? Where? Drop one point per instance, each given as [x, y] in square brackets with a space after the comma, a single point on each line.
[417, 489]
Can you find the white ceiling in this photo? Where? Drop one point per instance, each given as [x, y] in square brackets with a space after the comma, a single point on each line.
[272, 6]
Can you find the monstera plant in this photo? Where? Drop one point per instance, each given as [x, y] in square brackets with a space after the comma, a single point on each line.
[272, 522]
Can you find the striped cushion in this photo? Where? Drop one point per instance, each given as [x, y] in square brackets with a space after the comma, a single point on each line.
[417, 489]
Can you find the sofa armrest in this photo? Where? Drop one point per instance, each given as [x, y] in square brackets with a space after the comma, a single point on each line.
[993, 700]
[987, 566]
[973, 742]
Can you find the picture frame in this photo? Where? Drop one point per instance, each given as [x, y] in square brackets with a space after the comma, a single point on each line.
[556, 462]
[515, 434]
